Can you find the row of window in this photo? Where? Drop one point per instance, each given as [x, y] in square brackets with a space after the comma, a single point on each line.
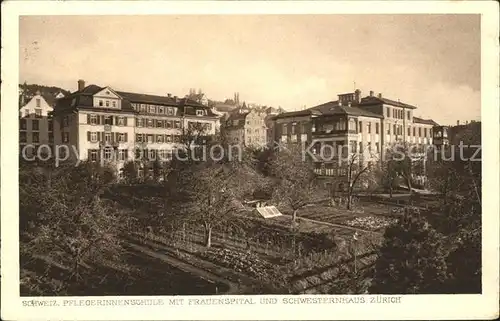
[158, 123]
[398, 113]
[38, 113]
[106, 103]
[158, 138]
[94, 119]
[293, 128]
[35, 124]
[107, 137]
[154, 109]
[35, 137]
[110, 154]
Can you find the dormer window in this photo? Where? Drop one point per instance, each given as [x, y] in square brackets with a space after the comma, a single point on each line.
[107, 92]
[200, 112]
[101, 103]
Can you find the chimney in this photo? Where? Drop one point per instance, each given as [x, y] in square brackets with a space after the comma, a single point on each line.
[175, 98]
[458, 122]
[379, 95]
[81, 84]
[466, 122]
[169, 95]
[371, 93]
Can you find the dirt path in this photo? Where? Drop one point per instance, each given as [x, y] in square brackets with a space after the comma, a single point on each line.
[186, 267]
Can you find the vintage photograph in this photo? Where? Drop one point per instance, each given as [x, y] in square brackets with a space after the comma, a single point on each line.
[249, 154]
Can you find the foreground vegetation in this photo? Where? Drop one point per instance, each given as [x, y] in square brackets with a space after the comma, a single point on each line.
[82, 233]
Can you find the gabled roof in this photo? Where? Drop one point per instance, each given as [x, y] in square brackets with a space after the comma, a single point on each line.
[370, 100]
[419, 120]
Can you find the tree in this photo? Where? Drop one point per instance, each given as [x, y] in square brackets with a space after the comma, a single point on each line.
[401, 161]
[209, 193]
[356, 169]
[295, 180]
[68, 221]
[130, 172]
[411, 260]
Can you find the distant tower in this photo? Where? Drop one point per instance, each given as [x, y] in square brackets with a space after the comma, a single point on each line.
[237, 99]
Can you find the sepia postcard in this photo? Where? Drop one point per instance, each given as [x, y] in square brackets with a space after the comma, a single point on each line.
[250, 160]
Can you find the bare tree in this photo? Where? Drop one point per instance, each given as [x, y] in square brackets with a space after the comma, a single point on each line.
[295, 180]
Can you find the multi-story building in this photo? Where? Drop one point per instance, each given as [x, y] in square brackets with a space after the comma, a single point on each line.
[246, 128]
[98, 123]
[35, 126]
[367, 126]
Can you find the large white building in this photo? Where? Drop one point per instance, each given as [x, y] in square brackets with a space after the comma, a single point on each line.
[102, 124]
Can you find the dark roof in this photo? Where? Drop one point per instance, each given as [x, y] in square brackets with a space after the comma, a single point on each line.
[305, 112]
[333, 108]
[190, 106]
[424, 121]
[224, 108]
[148, 99]
[370, 100]
[239, 117]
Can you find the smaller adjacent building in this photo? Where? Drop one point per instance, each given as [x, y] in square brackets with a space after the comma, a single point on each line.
[246, 128]
[36, 127]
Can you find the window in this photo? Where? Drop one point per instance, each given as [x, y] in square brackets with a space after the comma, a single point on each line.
[200, 112]
[169, 138]
[159, 138]
[150, 122]
[26, 113]
[38, 113]
[121, 137]
[93, 119]
[51, 137]
[114, 103]
[409, 131]
[377, 147]
[107, 137]
[425, 132]
[100, 103]
[121, 121]
[140, 122]
[376, 128]
[388, 129]
[369, 128]
[108, 120]
[22, 124]
[107, 103]
[152, 109]
[22, 137]
[388, 112]
[50, 125]
[413, 131]
[209, 126]
[150, 139]
[143, 108]
[284, 129]
[430, 132]
[93, 137]
[122, 154]
[394, 130]
[38, 102]
[408, 114]
[65, 137]
[360, 127]
[177, 124]
[93, 155]
[170, 111]
[107, 153]
[35, 124]
[169, 124]
[138, 138]
[159, 123]
[161, 110]
[419, 132]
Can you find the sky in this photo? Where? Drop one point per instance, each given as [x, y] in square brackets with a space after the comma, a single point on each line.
[292, 61]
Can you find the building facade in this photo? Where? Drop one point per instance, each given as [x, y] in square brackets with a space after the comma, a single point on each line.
[101, 124]
[246, 128]
[35, 126]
